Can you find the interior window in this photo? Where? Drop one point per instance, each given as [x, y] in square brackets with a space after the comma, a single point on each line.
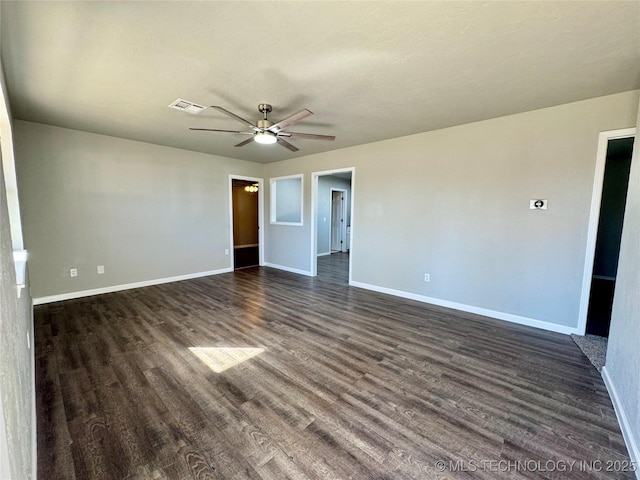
[286, 200]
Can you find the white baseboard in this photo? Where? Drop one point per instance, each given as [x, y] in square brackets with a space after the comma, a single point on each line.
[633, 443]
[323, 254]
[126, 286]
[288, 269]
[531, 322]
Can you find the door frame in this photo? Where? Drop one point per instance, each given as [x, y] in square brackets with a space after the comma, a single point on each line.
[343, 227]
[314, 216]
[260, 183]
[594, 219]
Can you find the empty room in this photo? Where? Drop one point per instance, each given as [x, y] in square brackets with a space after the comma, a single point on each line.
[319, 240]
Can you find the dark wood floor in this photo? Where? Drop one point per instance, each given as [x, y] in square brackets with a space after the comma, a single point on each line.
[334, 268]
[331, 382]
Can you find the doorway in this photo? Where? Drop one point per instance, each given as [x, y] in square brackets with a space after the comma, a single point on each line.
[332, 197]
[338, 222]
[246, 219]
[605, 262]
[605, 230]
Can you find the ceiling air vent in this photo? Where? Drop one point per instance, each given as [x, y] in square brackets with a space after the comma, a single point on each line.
[186, 106]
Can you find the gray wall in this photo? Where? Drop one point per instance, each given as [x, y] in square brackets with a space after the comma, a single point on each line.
[455, 203]
[623, 353]
[17, 379]
[325, 184]
[143, 211]
[16, 360]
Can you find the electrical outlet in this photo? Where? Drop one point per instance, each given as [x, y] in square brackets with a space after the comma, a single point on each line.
[100, 269]
[427, 277]
[73, 272]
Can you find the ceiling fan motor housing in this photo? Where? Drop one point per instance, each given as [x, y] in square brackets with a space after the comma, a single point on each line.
[264, 108]
[264, 124]
[265, 136]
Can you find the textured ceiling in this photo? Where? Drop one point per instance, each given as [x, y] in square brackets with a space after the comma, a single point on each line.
[368, 70]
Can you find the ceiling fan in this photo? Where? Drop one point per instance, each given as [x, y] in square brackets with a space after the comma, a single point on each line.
[267, 132]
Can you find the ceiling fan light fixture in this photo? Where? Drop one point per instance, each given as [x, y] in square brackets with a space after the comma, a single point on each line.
[265, 138]
[266, 132]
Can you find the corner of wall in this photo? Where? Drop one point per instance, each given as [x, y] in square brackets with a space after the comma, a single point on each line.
[17, 362]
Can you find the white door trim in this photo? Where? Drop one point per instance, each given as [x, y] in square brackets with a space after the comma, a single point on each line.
[314, 215]
[343, 227]
[260, 183]
[594, 218]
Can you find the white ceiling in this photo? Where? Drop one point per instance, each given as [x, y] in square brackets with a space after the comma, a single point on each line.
[368, 70]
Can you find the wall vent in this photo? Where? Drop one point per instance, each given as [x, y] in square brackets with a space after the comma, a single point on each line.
[186, 106]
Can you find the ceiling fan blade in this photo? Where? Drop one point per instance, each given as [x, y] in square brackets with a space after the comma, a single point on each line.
[311, 136]
[296, 117]
[233, 115]
[245, 142]
[224, 131]
[287, 145]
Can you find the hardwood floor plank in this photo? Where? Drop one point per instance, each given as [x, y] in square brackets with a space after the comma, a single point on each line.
[54, 444]
[97, 449]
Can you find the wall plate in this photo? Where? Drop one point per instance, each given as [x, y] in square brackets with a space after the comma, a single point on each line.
[538, 204]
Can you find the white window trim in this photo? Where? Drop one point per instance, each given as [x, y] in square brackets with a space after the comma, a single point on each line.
[272, 200]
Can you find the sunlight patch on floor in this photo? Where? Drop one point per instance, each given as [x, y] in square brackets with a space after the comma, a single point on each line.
[220, 359]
